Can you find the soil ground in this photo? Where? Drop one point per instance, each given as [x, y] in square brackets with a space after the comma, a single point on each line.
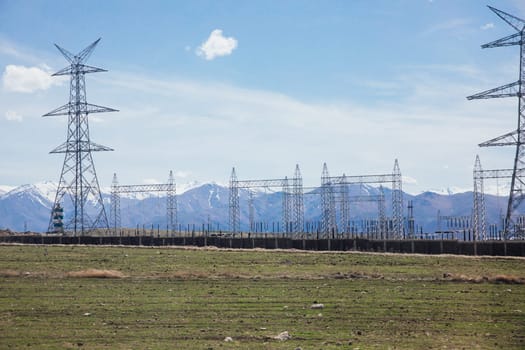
[168, 298]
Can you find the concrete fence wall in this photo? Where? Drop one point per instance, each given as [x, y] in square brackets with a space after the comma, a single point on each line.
[496, 248]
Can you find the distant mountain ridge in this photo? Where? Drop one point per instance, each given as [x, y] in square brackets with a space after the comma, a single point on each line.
[28, 206]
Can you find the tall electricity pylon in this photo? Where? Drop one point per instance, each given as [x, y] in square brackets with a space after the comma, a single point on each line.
[78, 186]
[517, 137]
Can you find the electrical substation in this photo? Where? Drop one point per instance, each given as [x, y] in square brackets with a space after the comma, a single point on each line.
[78, 209]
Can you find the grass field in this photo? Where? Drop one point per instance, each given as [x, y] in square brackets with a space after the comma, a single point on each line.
[163, 298]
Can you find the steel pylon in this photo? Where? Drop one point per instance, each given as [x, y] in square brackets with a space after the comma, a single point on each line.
[171, 204]
[235, 211]
[513, 227]
[298, 203]
[397, 201]
[287, 207]
[328, 223]
[78, 189]
[115, 205]
[479, 221]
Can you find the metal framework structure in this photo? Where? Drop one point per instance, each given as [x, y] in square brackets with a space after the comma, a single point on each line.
[344, 210]
[452, 223]
[479, 221]
[339, 184]
[292, 201]
[328, 222]
[513, 227]
[171, 200]
[78, 190]
[411, 222]
[336, 198]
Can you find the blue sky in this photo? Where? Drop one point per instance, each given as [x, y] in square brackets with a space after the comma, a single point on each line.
[261, 85]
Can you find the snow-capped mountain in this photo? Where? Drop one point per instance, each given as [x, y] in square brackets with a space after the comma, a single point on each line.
[5, 189]
[28, 206]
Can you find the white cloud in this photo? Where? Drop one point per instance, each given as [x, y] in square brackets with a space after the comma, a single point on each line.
[28, 79]
[487, 26]
[13, 116]
[217, 45]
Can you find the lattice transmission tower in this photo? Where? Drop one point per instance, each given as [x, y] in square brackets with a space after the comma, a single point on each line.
[78, 190]
[516, 137]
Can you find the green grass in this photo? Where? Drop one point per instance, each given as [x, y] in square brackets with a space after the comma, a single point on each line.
[180, 299]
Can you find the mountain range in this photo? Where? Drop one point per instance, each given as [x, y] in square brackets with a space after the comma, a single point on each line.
[27, 207]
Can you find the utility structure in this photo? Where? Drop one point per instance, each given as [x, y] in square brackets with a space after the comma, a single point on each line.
[513, 228]
[479, 221]
[292, 201]
[78, 190]
[335, 205]
[453, 224]
[168, 188]
[330, 185]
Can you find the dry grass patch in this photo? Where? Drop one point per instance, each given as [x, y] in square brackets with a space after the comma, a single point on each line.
[10, 273]
[508, 279]
[505, 279]
[95, 273]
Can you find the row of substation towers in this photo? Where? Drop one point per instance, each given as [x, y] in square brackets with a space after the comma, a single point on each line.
[78, 189]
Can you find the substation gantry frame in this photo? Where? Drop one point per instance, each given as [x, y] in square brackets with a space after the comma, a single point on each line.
[168, 188]
[292, 201]
[479, 222]
[330, 185]
[514, 226]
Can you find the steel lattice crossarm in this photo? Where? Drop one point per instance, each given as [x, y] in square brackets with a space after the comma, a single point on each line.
[142, 188]
[171, 199]
[368, 198]
[261, 183]
[494, 173]
[513, 138]
[85, 107]
[85, 146]
[508, 90]
[361, 179]
[509, 139]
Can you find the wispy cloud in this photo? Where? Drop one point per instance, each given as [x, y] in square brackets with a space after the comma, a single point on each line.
[217, 45]
[9, 49]
[450, 25]
[429, 121]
